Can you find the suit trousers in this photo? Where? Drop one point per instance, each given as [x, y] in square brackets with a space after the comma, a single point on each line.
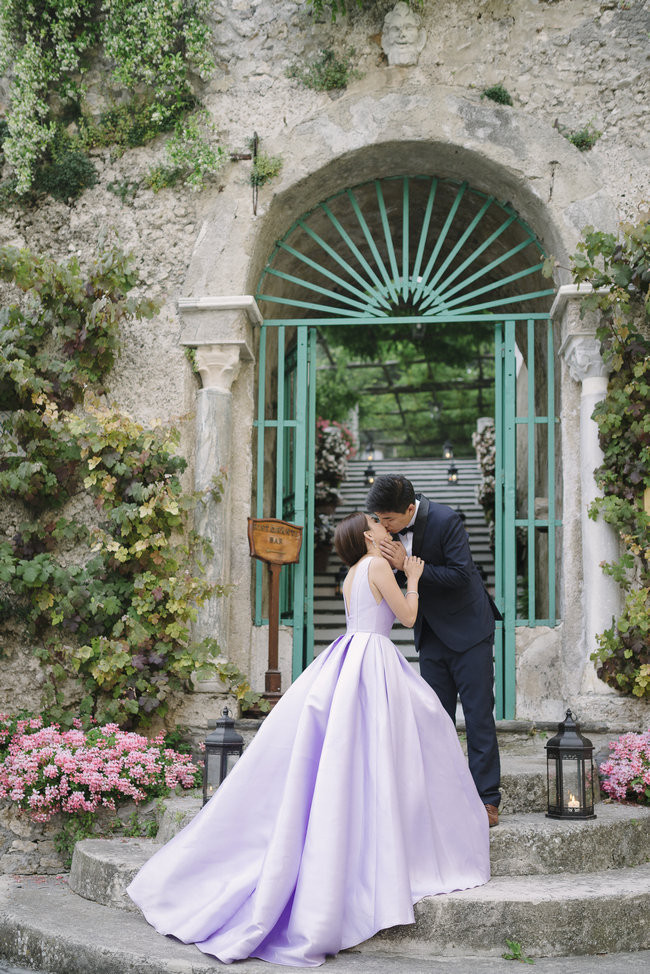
[469, 675]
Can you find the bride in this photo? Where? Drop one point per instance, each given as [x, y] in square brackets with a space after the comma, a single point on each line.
[353, 801]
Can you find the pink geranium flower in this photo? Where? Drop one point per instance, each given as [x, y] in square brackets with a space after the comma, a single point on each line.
[46, 771]
[626, 773]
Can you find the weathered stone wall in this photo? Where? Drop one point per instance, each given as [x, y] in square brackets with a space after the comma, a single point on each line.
[570, 62]
[29, 848]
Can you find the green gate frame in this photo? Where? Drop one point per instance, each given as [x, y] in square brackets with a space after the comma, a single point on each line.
[369, 296]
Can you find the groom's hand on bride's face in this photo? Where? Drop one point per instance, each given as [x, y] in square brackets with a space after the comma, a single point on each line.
[394, 553]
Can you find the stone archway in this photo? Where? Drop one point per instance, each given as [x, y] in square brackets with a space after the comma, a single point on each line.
[500, 151]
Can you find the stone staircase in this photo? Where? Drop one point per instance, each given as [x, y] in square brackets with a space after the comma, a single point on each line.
[429, 477]
[558, 888]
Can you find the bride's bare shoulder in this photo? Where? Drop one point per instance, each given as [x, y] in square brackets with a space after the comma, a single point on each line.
[379, 567]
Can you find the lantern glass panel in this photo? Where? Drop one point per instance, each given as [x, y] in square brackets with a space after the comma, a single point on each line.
[212, 772]
[589, 784]
[552, 783]
[571, 784]
[231, 760]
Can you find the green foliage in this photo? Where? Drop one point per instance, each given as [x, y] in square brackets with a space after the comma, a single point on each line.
[66, 176]
[124, 189]
[619, 271]
[115, 620]
[152, 44]
[583, 139]
[85, 825]
[156, 42]
[337, 8]
[76, 827]
[265, 167]
[133, 123]
[191, 157]
[442, 375]
[44, 43]
[327, 73]
[516, 952]
[497, 93]
[237, 683]
[4, 132]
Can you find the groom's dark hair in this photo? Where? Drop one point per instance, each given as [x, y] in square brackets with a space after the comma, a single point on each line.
[390, 492]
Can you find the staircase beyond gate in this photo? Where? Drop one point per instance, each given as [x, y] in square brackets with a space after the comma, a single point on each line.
[429, 477]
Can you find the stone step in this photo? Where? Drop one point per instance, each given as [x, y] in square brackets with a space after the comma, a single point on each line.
[531, 844]
[550, 914]
[591, 913]
[103, 868]
[521, 846]
[44, 925]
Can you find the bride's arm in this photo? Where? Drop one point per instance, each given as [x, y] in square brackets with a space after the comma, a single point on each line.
[381, 577]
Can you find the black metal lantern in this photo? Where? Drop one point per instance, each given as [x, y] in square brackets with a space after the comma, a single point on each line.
[447, 451]
[223, 748]
[570, 772]
[452, 474]
[369, 475]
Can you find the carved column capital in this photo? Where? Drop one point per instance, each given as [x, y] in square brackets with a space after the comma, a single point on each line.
[218, 365]
[581, 352]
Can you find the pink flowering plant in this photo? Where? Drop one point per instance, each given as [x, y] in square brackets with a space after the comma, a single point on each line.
[47, 771]
[625, 776]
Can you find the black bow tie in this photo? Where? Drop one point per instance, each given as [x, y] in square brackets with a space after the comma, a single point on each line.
[405, 531]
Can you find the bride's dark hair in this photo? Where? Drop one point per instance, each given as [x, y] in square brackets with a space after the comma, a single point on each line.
[349, 539]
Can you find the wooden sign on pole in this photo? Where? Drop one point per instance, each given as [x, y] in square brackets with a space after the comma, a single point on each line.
[277, 543]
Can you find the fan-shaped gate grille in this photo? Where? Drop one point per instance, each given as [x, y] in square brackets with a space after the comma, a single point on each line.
[402, 247]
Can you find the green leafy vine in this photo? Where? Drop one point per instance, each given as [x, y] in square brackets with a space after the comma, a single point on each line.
[153, 47]
[107, 600]
[619, 271]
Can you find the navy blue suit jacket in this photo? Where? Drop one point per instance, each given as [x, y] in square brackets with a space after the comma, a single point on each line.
[453, 598]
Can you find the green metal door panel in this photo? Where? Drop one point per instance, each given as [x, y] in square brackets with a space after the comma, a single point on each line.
[309, 489]
[499, 570]
[525, 466]
[416, 249]
[509, 513]
[293, 423]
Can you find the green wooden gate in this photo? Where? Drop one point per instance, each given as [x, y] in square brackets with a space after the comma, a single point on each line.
[414, 249]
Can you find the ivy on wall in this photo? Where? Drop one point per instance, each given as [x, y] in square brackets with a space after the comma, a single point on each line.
[153, 46]
[106, 597]
[622, 268]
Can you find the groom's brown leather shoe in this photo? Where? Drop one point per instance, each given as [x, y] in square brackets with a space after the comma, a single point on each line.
[492, 814]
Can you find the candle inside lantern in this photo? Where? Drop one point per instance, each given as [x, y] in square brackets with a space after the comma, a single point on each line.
[573, 801]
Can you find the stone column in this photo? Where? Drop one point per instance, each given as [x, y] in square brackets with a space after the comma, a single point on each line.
[600, 594]
[220, 331]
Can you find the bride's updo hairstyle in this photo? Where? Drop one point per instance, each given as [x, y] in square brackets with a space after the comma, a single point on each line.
[349, 539]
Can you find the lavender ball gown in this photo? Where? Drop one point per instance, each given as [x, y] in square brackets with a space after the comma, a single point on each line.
[353, 801]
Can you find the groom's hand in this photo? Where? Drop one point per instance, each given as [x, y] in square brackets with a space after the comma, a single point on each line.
[394, 552]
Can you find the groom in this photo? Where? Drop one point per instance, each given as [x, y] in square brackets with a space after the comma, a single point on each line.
[454, 629]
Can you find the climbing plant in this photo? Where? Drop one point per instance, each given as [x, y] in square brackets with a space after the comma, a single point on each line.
[152, 45]
[106, 598]
[327, 72]
[618, 268]
[337, 8]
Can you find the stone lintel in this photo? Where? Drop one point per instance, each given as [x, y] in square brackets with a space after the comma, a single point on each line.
[571, 292]
[237, 302]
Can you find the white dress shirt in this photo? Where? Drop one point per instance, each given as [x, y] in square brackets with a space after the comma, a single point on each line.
[407, 539]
